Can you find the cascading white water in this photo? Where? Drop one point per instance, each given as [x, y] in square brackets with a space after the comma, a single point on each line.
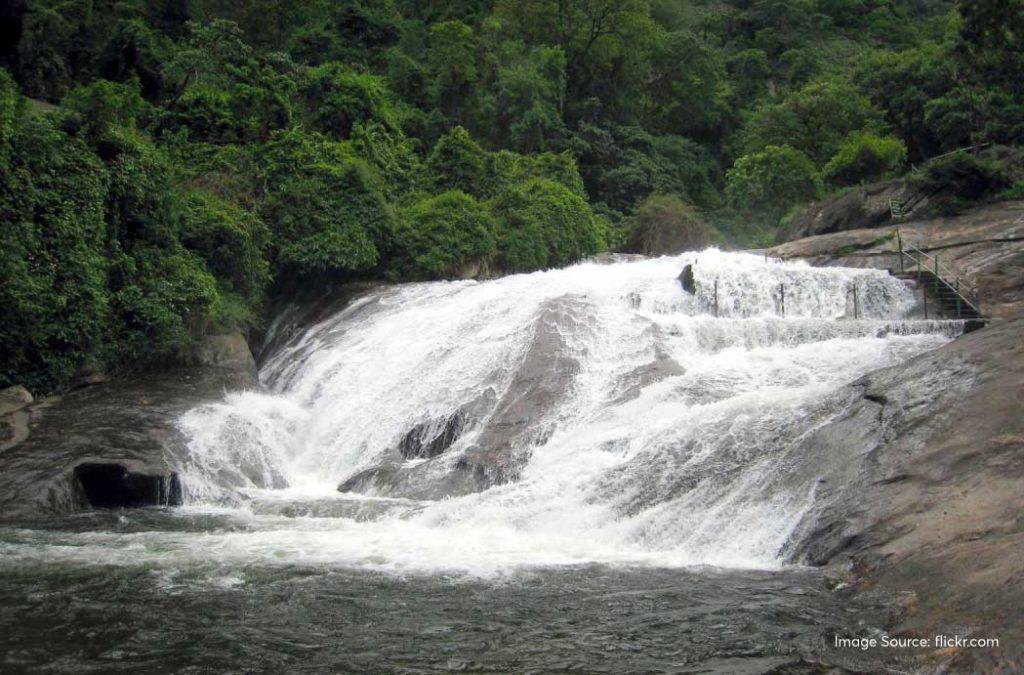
[607, 414]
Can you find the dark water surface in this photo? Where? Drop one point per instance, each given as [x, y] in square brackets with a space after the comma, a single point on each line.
[98, 617]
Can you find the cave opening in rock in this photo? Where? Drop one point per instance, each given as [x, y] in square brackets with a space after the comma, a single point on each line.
[114, 486]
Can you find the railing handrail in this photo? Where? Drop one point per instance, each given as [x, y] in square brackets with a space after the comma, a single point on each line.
[924, 260]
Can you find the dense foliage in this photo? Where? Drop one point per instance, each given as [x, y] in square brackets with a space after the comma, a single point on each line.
[166, 164]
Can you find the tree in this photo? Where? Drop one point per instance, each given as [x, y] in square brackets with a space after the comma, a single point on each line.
[687, 86]
[865, 157]
[339, 98]
[814, 120]
[768, 183]
[452, 66]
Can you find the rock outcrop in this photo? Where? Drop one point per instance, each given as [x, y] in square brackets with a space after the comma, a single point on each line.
[113, 444]
[867, 206]
[923, 470]
[985, 246]
[922, 488]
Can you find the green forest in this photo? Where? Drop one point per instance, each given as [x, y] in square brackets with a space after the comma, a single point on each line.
[168, 166]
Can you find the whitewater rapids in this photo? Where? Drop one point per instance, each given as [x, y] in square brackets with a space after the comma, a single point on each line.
[635, 427]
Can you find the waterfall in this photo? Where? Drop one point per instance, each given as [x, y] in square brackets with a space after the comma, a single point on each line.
[593, 413]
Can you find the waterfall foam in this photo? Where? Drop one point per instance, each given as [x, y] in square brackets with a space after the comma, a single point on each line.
[594, 413]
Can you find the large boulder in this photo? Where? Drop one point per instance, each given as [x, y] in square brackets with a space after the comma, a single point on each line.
[867, 206]
[14, 416]
[230, 351]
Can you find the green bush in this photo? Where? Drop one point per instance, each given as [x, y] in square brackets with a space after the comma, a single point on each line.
[865, 157]
[329, 219]
[542, 224]
[665, 224]
[166, 297]
[230, 240]
[440, 236]
[960, 176]
[457, 162]
[768, 183]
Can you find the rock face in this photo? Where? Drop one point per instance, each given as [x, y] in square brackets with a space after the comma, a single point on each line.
[867, 206]
[984, 246]
[229, 351]
[922, 488]
[113, 444]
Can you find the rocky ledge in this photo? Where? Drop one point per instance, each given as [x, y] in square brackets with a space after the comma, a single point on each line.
[923, 472]
[112, 444]
[985, 246]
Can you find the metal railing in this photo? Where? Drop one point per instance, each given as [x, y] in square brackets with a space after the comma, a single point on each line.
[920, 262]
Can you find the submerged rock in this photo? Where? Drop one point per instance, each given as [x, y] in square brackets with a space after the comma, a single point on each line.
[430, 439]
[510, 424]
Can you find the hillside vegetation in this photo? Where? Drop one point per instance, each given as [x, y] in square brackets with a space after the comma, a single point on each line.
[168, 164]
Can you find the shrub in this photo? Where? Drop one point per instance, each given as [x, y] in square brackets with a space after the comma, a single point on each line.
[167, 298]
[542, 224]
[458, 163]
[230, 240]
[330, 219]
[962, 176]
[665, 224]
[865, 157]
[438, 236]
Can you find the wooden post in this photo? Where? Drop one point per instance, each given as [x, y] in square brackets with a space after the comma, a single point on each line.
[716, 296]
[782, 295]
[856, 307]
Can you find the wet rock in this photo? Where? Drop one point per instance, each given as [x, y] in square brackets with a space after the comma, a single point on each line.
[923, 479]
[126, 422]
[687, 280]
[430, 439]
[229, 351]
[510, 424]
[13, 399]
[115, 486]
